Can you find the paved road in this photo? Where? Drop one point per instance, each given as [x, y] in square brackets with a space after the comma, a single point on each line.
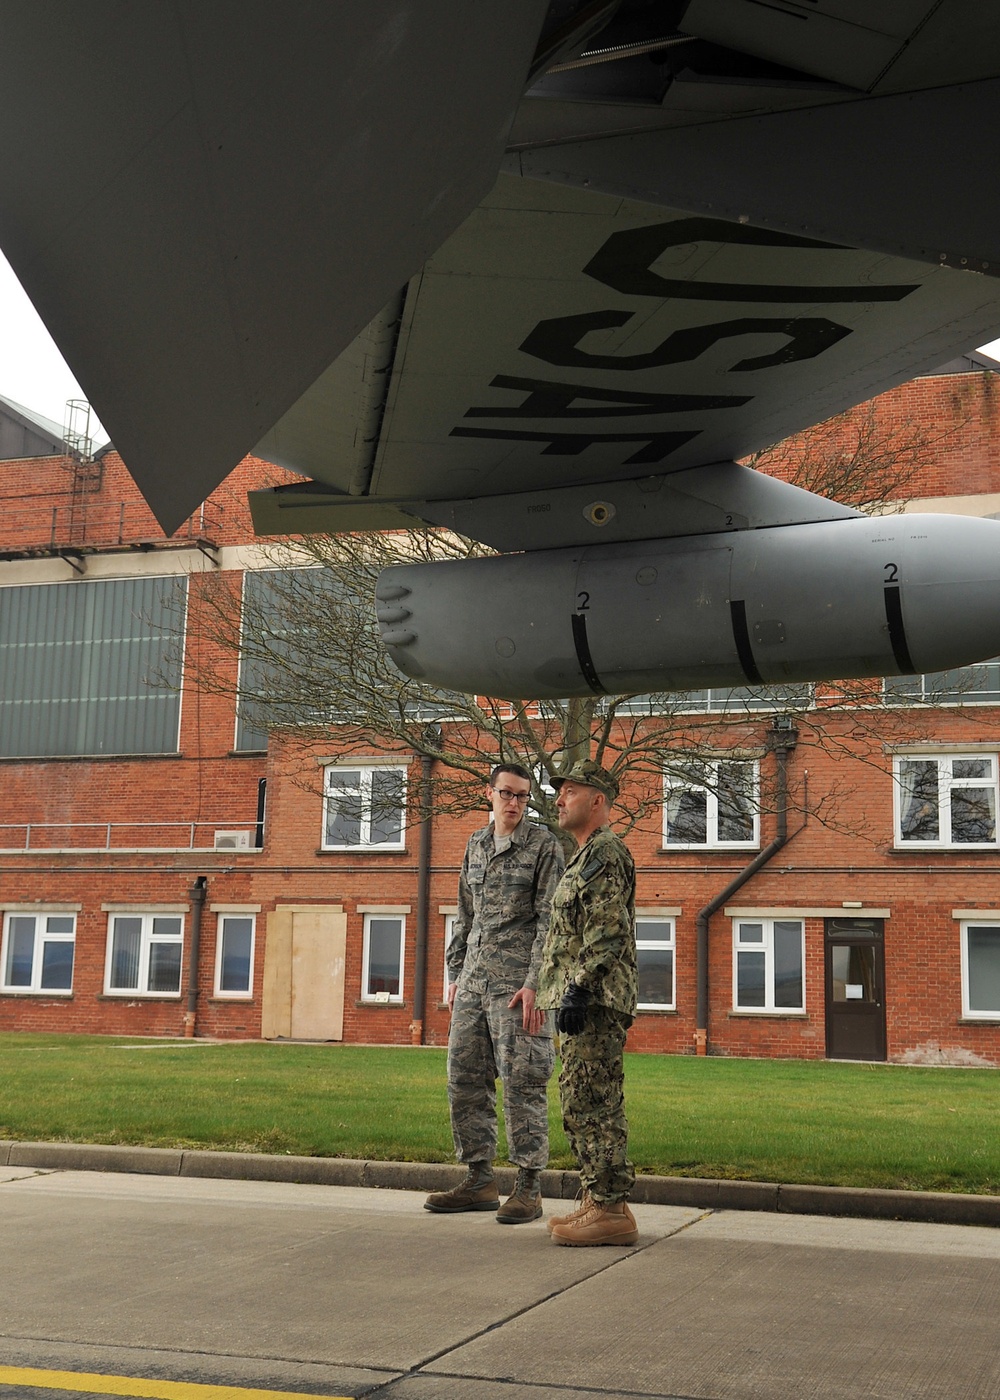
[201, 1289]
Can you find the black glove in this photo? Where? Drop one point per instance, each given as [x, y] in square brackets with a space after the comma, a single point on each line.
[572, 1010]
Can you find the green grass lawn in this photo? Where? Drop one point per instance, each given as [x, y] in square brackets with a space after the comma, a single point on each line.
[765, 1120]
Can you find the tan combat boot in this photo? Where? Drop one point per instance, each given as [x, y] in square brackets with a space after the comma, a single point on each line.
[526, 1202]
[584, 1204]
[602, 1223]
[477, 1192]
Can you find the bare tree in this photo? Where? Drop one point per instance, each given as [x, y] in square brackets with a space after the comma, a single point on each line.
[856, 458]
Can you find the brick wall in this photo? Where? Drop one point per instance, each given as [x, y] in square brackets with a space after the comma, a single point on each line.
[840, 848]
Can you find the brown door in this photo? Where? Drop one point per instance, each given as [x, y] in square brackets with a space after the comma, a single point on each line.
[855, 989]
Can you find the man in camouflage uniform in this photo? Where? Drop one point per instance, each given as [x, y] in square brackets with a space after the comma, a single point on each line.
[510, 870]
[589, 974]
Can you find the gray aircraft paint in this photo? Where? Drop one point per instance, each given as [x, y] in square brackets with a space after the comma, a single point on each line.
[807, 602]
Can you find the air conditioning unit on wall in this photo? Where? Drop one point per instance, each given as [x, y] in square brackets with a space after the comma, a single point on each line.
[234, 841]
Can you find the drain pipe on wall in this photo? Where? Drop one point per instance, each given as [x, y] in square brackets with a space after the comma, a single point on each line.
[197, 893]
[781, 740]
[423, 896]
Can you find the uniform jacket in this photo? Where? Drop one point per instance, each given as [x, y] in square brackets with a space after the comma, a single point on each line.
[592, 930]
[503, 908]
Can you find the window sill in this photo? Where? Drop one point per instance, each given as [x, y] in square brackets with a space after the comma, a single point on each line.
[173, 997]
[707, 850]
[362, 851]
[960, 850]
[989, 1018]
[745, 1012]
[380, 1005]
[239, 998]
[656, 1011]
[30, 992]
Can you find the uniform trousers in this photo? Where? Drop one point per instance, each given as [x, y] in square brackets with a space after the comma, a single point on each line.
[487, 1041]
[591, 1092]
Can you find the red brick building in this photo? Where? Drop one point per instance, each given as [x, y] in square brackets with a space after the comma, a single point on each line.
[161, 874]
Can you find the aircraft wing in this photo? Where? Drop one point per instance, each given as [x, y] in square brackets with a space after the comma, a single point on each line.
[433, 254]
[563, 338]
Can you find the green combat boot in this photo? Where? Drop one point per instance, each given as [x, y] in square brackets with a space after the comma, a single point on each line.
[477, 1192]
[526, 1202]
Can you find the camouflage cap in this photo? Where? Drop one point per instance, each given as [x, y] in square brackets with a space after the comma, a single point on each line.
[590, 774]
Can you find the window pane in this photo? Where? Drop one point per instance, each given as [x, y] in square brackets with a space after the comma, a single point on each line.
[902, 690]
[656, 976]
[164, 927]
[972, 768]
[20, 950]
[687, 816]
[751, 933]
[57, 965]
[973, 814]
[387, 805]
[918, 805]
[735, 804]
[237, 944]
[853, 968]
[343, 819]
[164, 967]
[787, 963]
[750, 979]
[125, 952]
[984, 968]
[383, 956]
[344, 808]
[59, 923]
[653, 931]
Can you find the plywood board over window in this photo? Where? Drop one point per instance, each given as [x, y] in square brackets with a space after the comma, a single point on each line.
[303, 993]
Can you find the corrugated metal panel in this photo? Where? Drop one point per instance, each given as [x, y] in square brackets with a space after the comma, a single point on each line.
[81, 666]
[269, 597]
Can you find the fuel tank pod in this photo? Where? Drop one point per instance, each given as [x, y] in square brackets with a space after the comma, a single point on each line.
[820, 601]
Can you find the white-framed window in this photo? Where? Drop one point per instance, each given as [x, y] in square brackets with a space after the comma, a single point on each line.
[37, 953]
[449, 932]
[144, 954]
[382, 958]
[769, 964]
[364, 808]
[654, 949]
[712, 802]
[978, 684]
[234, 952]
[981, 967]
[946, 799]
[739, 699]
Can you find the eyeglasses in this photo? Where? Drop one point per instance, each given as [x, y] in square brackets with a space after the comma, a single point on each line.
[505, 795]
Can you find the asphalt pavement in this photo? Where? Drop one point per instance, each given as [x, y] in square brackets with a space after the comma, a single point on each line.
[211, 1286]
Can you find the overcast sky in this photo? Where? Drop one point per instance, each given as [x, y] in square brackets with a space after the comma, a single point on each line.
[33, 373]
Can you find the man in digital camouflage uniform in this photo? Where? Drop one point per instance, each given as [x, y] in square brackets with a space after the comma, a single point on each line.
[589, 974]
[510, 871]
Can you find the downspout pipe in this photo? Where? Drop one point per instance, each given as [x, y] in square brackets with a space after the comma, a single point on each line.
[781, 741]
[197, 894]
[423, 897]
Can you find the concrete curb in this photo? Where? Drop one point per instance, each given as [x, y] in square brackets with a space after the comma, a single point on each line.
[931, 1207]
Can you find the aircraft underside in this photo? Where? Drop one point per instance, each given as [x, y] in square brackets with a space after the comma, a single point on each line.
[538, 277]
